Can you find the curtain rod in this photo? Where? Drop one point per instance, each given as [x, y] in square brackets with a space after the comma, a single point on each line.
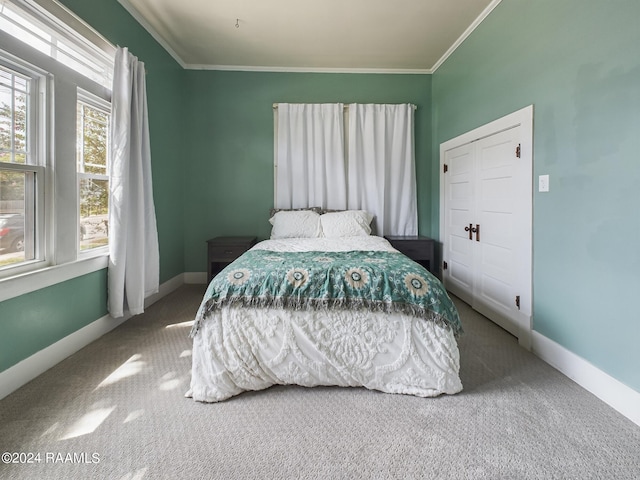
[275, 106]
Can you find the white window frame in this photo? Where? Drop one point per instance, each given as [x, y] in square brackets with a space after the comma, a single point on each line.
[36, 153]
[55, 31]
[58, 222]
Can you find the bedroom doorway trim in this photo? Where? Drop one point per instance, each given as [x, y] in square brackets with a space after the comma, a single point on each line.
[516, 316]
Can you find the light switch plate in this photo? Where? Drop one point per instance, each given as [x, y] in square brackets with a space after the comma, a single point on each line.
[543, 183]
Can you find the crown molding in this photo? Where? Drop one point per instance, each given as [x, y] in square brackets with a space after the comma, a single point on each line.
[485, 13]
[152, 31]
[279, 69]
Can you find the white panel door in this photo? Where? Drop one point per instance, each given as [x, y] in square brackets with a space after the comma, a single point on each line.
[459, 215]
[500, 212]
[486, 222]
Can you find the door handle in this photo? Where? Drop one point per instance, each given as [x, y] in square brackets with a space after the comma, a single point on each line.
[469, 229]
[475, 230]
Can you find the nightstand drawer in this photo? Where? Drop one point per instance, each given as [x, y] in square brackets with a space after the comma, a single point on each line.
[414, 250]
[225, 253]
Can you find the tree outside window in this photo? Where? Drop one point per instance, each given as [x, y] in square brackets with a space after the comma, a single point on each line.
[93, 186]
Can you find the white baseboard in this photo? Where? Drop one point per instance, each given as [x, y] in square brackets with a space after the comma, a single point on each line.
[165, 289]
[26, 370]
[195, 277]
[617, 395]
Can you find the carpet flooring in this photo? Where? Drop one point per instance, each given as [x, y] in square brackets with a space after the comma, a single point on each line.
[116, 410]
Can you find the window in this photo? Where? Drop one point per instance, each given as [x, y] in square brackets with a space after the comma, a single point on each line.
[92, 133]
[53, 177]
[21, 175]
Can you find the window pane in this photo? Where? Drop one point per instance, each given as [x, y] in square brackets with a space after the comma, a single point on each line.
[92, 136]
[6, 121]
[17, 217]
[95, 142]
[20, 126]
[14, 107]
[93, 129]
[94, 210]
[6, 118]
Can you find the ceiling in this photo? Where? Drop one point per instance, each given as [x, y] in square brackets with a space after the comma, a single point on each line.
[401, 36]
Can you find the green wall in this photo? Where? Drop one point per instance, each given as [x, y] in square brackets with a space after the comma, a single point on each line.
[34, 321]
[577, 62]
[230, 134]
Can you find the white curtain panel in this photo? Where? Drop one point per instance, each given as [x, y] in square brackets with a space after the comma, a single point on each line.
[381, 169]
[133, 236]
[310, 156]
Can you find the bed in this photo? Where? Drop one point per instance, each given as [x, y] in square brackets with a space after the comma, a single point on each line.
[341, 310]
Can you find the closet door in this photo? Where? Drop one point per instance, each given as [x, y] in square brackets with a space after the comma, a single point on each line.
[499, 216]
[487, 253]
[459, 213]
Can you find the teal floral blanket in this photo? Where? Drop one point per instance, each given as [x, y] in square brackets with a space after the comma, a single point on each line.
[370, 280]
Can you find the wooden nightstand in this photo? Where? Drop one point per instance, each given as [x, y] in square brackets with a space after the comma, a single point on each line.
[221, 251]
[419, 249]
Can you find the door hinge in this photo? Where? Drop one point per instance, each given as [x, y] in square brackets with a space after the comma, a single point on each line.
[444, 265]
[518, 301]
[518, 151]
[445, 167]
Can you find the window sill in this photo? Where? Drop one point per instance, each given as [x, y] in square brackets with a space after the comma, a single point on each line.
[45, 277]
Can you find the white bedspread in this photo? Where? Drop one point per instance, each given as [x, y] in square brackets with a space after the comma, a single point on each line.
[238, 349]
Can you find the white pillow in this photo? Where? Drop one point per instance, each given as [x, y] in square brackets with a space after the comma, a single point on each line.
[295, 224]
[350, 223]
